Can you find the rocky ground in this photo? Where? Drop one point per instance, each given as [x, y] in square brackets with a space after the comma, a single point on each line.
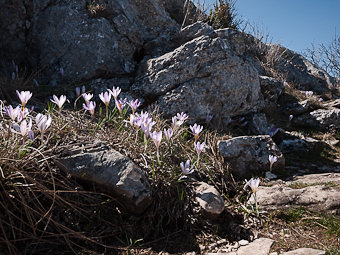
[95, 188]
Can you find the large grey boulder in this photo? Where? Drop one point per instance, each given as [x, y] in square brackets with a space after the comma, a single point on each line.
[248, 155]
[322, 119]
[201, 77]
[87, 43]
[111, 172]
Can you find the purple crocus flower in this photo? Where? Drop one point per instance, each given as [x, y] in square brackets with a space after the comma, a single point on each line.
[176, 122]
[253, 184]
[182, 117]
[24, 96]
[61, 70]
[199, 147]
[186, 168]
[87, 97]
[105, 97]
[168, 133]
[134, 104]
[60, 102]
[90, 107]
[156, 138]
[43, 122]
[272, 160]
[115, 92]
[23, 129]
[77, 91]
[12, 113]
[290, 117]
[120, 104]
[196, 129]
[22, 114]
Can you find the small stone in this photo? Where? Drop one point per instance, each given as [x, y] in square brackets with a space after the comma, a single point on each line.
[243, 242]
[271, 176]
[222, 241]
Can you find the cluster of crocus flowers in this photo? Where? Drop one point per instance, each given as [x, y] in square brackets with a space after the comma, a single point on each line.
[178, 120]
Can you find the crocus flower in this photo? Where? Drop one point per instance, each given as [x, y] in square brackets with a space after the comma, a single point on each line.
[176, 122]
[272, 160]
[61, 70]
[24, 96]
[43, 122]
[23, 129]
[105, 97]
[186, 169]
[156, 138]
[253, 184]
[182, 117]
[131, 120]
[58, 101]
[120, 104]
[12, 113]
[147, 125]
[208, 117]
[290, 117]
[115, 92]
[199, 147]
[90, 107]
[168, 133]
[196, 129]
[77, 91]
[87, 97]
[309, 93]
[22, 114]
[134, 104]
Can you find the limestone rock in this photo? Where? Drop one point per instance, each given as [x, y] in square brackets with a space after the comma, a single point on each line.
[294, 142]
[315, 196]
[298, 108]
[113, 173]
[305, 251]
[271, 88]
[88, 45]
[322, 119]
[260, 125]
[247, 155]
[210, 200]
[201, 77]
[260, 246]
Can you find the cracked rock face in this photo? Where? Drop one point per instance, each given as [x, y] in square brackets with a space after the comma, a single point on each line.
[247, 155]
[201, 77]
[65, 34]
[113, 173]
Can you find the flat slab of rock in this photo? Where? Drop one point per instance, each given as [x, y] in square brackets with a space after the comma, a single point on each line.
[305, 251]
[210, 200]
[313, 192]
[113, 173]
[260, 246]
[247, 155]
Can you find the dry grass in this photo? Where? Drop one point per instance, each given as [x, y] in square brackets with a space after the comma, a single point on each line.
[44, 208]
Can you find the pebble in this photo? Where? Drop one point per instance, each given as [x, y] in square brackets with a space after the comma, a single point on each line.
[222, 241]
[243, 242]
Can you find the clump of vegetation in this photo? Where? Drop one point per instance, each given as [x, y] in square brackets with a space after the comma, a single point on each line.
[223, 15]
[327, 57]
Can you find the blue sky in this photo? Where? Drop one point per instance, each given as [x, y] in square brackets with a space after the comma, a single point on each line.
[295, 24]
